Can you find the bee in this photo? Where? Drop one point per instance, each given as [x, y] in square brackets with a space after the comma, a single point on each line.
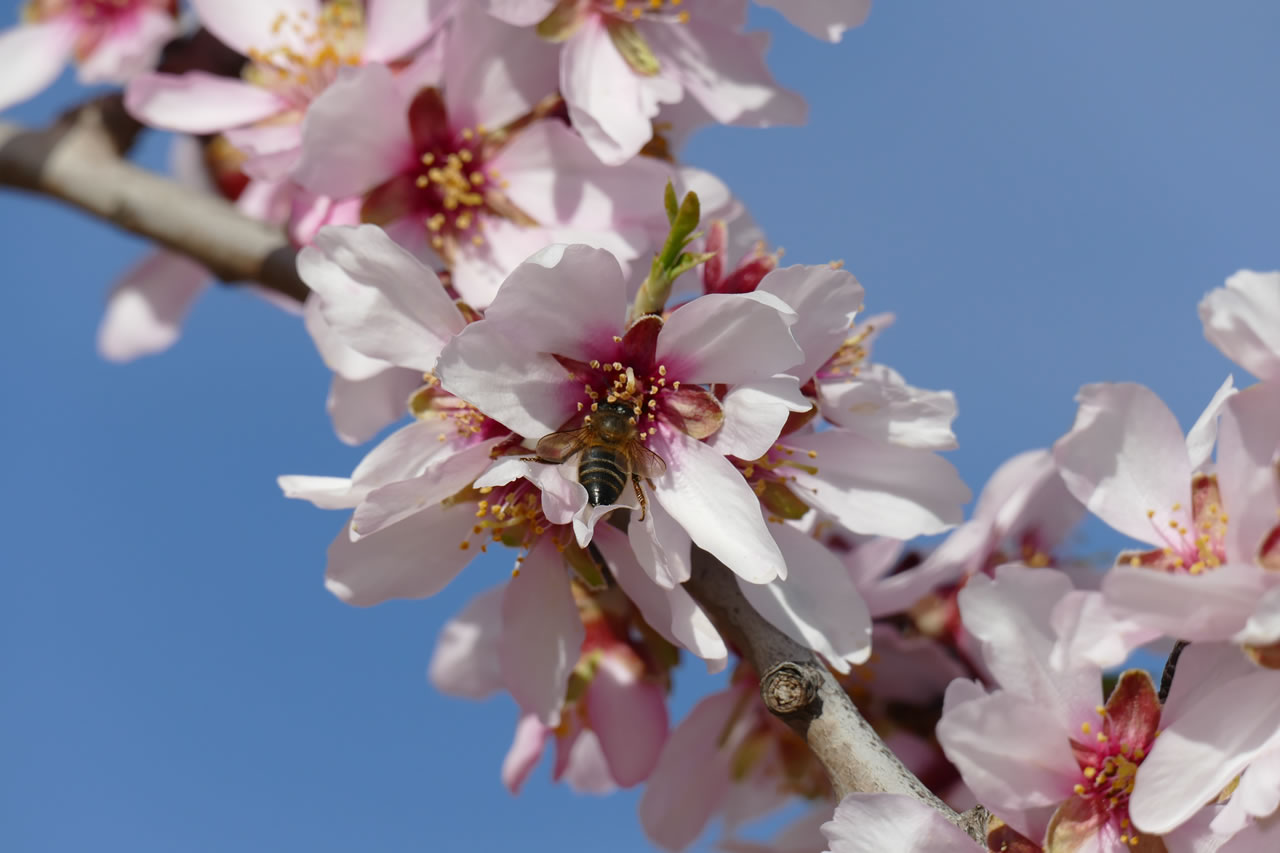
[611, 454]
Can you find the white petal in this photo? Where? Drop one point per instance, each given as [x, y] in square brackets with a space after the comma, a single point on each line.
[519, 72]
[379, 299]
[662, 546]
[146, 308]
[877, 488]
[414, 559]
[629, 717]
[1088, 631]
[198, 102]
[446, 473]
[1204, 433]
[713, 503]
[360, 409]
[355, 134]
[817, 605]
[1248, 444]
[393, 28]
[876, 823]
[727, 338]
[33, 55]
[128, 48]
[525, 752]
[323, 492]
[465, 661]
[541, 633]
[671, 612]
[1209, 606]
[243, 25]
[881, 405]
[826, 300]
[1124, 458]
[566, 300]
[1243, 320]
[338, 357]
[754, 414]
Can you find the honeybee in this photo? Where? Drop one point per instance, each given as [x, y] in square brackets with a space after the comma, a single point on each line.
[611, 454]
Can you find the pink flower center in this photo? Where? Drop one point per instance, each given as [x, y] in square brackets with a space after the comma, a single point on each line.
[101, 12]
[1192, 545]
[850, 357]
[510, 515]
[306, 52]
[634, 10]
[1109, 761]
[645, 391]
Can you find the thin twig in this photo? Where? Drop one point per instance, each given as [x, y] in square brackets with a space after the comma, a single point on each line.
[1170, 668]
[77, 160]
[800, 690]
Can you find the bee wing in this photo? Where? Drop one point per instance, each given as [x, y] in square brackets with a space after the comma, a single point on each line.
[559, 446]
[645, 462]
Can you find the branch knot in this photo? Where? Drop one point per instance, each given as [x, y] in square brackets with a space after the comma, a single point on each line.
[789, 688]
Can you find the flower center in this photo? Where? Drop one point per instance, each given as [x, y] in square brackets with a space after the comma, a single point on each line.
[615, 382]
[308, 51]
[771, 479]
[1193, 544]
[510, 515]
[89, 11]
[848, 360]
[1109, 767]
[451, 188]
[634, 10]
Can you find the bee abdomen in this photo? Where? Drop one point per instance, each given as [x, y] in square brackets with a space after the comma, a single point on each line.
[602, 474]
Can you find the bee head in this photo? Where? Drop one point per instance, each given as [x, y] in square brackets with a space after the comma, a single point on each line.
[624, 410]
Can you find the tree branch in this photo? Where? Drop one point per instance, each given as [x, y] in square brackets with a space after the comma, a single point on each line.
[78, 160]
[800, 690]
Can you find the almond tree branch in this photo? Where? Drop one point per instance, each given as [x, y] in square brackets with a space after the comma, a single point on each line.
[801, 691]
[78, 160]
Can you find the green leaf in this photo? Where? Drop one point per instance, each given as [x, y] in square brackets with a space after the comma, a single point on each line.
[670, 203]
[687, 262]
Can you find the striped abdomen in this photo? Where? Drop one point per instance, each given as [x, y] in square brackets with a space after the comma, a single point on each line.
[602, 471]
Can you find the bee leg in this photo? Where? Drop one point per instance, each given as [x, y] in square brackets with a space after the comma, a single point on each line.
[534, 459]
[644, 504]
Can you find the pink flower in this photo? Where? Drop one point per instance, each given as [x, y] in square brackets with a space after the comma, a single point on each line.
[296, 50]
[875, 823]
[824, 19]
[111, 40]
[556, 340]
[622, 60]
[1213, 533]
[613, 718]
[471, 169]
[1243, 320]
[1041, 751]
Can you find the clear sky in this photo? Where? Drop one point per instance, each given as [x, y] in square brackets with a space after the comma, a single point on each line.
[1041, 191]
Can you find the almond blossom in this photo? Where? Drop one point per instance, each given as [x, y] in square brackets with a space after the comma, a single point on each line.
[1243, 321]
[1214, 533]
[556, 339]
[1042, 751]
[296, 50]
[622, 59]
[110, 41]
[613, 720]
[873, 823]
[472, 169]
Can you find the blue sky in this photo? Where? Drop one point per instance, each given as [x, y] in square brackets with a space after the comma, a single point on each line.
[1041, 192]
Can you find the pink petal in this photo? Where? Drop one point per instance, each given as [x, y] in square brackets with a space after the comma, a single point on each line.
[131, 46]
[727, 338]
[706, 494]
[379, 299]
[360, 408]
[629, 717]
[1013, 754]
[414, 559]
[1213, 605]
[556, 179]
[323, 492]
[198, 102]
[662, 546]
[825, 300]
[877, 488]
[824, 19]
[520, 70]
[355, 134]
[393, 28]
[245, 25]
[147, 307]
[272, 149]
[465, 661]
[817, 605]
[724, 70]
[1243, 320]
[525, 752]
[1247, 446]
[521, 13]
[541, 633]
[671, 612]
[609, 104]
[754, 415]
[337, 356]
[1089, 632]
[692, 775]
[875, 823]
[33, 55]
[585, 769]
[1215, 736]
[1026, 497]
[1126, 457]
[881, 405]
[446, 474]
[567, 300]
[1204, 432]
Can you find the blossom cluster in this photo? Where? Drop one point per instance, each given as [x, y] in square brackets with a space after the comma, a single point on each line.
[620, 388]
